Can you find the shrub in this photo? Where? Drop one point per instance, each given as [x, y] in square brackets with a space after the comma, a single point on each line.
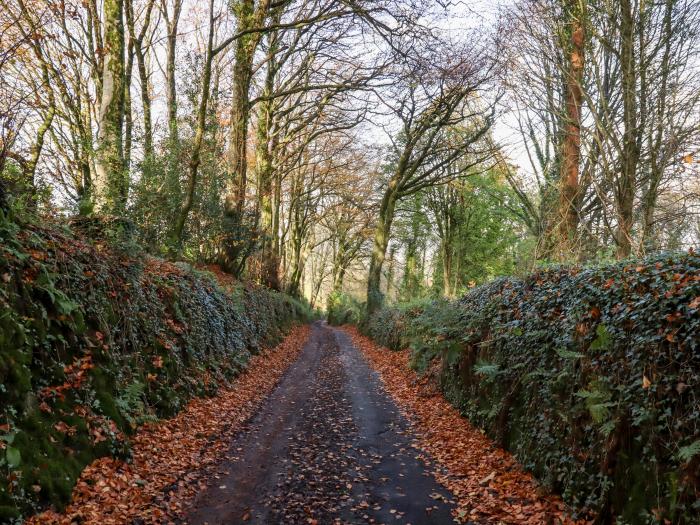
[591, 377]
[95, 339]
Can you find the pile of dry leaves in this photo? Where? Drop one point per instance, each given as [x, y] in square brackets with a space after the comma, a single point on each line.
[171, 458]
[489, 484]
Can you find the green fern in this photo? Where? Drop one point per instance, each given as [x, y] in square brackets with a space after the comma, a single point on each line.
[688, 452]
[130, 402]
[568, 354]
[486, 369]
[598, 401]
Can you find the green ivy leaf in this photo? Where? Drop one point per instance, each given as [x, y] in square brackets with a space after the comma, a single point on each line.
[13, 456]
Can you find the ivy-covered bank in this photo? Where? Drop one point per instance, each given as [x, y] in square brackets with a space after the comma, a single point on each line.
[591, 377]
[96, 338]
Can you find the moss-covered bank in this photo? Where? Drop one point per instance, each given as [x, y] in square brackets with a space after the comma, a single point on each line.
[590, 376]
[97, 337]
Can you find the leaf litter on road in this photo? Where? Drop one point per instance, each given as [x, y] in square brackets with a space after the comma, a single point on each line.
[171, 459]
[489, 485]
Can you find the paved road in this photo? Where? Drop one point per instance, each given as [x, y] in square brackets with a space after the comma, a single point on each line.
[328, 446]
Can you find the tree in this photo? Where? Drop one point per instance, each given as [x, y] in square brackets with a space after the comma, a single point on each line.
[249, 14]
[624, 116]
[477, 230]
[574, 32]
[111, 185]
[200, 129]
[444, 114]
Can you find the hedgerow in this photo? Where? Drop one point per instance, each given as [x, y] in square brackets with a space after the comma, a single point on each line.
[591, 377]
[97, 338]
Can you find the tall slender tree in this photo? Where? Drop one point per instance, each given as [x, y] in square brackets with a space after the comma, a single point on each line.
[111, 185]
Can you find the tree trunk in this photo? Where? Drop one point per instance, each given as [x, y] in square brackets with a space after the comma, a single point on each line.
[137, 50]
[658, 149]
[391, 270]
[266, 144]
[447, 268]
[240, 107]
[248, 16]
[128, 117]
[297, 269]
[630, 149]
[146, 104]
[111, 180]
[382, 234]
[339, 265]
[195, 158]
[38, 146]
[571, 140]
[170, 85]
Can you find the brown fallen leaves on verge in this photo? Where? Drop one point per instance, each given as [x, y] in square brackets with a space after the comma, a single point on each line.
[171, 457]
[487, 482]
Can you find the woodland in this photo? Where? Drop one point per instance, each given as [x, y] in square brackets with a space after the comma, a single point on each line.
[507, 191]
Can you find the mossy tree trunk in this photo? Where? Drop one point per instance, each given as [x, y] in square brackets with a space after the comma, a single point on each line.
[266, 145]
[248, 17]
[570, 157]
[382, 233]
[111, 185]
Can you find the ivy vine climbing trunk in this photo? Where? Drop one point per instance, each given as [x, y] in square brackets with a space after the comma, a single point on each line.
[571, 138]
[111, 184]
[266, 145]
[249, 16]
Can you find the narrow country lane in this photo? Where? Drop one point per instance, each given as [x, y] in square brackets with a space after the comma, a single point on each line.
[328, 446]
